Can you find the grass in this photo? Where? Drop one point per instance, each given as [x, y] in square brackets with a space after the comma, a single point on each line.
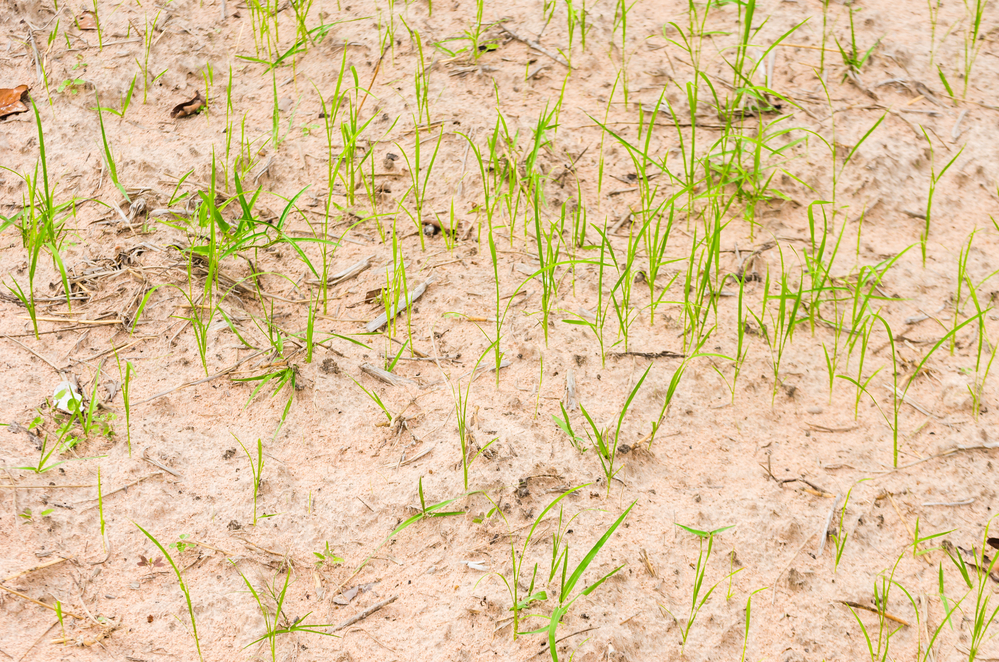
[257, 471]
[700, 591]
[606, 445]
[183, 587]
[276, 622]
[702, 210]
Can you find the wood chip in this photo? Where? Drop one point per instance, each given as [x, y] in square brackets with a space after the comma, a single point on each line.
[411, 297]
[384, 375]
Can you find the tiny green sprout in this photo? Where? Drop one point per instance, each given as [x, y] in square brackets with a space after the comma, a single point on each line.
[72, 84]
[28, 516]
[327, 557]
[181, 546]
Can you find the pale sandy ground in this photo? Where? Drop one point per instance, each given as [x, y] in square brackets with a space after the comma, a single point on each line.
[335, 476]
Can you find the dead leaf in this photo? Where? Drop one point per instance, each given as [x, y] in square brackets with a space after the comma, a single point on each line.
[12, 101]
[86, 21]
[192, 107]
[348, 595]
[345, 597]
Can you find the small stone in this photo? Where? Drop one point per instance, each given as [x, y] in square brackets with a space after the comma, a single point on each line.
[814, 410]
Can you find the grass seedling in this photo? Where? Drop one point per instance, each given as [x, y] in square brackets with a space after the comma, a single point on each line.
[595, 321]
[418, 188]
[515, 583]
[281, 376]
[42, 224]
[461, 412]
[421, 81]
[748, 612]
[275, 621]
[568, 582]
[126, 384]
[779, 333]
[423, 512]
[878, 645]
[374, 398]
[564, 424]
[183, 587]
[977, 579]
[918, 540]
[46, 454]
[898, 394]
[549, 249]
[934, 179]
[853, 59]
[839, 538]
[700, 592]
[674, 383]
[147, 47]
[972, 43]
[934, 12]
[601, 440]
[108, 155]
[621, 22]
[257, 469]
[576, 20]
[126, 100]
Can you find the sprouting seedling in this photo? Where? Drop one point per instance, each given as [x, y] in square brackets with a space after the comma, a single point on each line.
[126, 386]
[181, 544]
[183, 586]
[934, 179]
[839, 538]
[151, 562]
[568, 582]
[605, 445]
[972, 43]
[273, 618]
[748, 611]
[108, 154]
[853, 59]
[327, 557]
[700, 592]
[878, 642]
[898, 393]
[564, 424]
[29, 516]
[256, 468]
[374, 398]
[147, 47]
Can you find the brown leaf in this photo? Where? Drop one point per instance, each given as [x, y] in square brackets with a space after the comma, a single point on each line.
[192, 107]
[345, 597]
[86, 21]
[12, 101]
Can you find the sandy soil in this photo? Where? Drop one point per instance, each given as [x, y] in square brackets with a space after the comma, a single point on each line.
[774, 464]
